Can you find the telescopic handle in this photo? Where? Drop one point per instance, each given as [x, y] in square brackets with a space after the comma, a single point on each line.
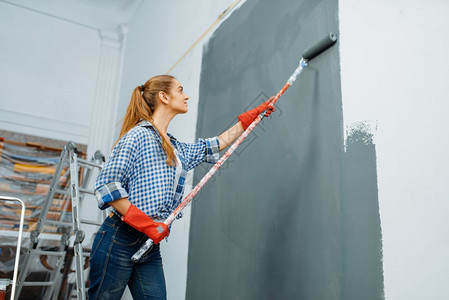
[145, 247]
[321, 46]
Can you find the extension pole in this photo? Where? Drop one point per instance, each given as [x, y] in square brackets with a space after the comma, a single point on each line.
[308, 55]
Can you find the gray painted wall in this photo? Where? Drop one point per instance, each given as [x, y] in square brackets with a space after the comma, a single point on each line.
[362, 239]
[270, 225]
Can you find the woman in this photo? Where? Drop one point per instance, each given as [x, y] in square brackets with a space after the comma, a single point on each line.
[143, 182]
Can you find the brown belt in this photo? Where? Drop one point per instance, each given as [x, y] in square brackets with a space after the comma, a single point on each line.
[111, 214]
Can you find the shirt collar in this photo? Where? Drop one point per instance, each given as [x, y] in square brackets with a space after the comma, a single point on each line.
[146, 123]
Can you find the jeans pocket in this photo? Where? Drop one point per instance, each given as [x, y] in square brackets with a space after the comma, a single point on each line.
[127, 236]
[97, 241]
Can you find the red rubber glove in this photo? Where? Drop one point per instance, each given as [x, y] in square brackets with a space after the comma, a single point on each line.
[248, 117]
[139, 220]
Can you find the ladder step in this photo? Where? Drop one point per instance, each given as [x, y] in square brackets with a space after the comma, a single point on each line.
[84, 221]
[81, 190]
[86, 191]
[44, 252]
[67, 192]
[63, 192]
[37, 283]
[88, 164]
[69, 224]
[60, 223]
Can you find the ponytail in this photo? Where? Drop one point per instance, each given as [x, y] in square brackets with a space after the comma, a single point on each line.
[141, 107]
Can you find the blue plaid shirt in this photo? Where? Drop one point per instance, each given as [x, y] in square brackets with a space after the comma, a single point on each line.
[137, 169]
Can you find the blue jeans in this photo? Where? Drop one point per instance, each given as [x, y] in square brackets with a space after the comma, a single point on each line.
[111, 268]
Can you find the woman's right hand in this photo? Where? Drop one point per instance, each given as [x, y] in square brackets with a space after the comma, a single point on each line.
[137, 219]
[248, 117]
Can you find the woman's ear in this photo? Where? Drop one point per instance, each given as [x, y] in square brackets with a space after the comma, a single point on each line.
[163, 97]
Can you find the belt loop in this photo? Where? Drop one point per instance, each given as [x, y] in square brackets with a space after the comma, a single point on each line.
[116, 219]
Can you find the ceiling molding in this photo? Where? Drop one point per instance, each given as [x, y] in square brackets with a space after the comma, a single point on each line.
[93, 14]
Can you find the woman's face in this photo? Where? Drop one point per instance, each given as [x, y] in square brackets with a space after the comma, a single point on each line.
[177, 98]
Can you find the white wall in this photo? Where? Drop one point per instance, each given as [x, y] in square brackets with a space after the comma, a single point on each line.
[47, 75]
[394, 70]
[158, 35]
[61, 66]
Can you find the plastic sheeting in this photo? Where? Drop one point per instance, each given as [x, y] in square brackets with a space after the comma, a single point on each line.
[26, 173]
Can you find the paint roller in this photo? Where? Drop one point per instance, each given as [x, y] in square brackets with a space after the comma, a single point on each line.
[309, 54]
[321, 46]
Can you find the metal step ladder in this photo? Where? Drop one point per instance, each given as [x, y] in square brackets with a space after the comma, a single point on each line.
[80, 170]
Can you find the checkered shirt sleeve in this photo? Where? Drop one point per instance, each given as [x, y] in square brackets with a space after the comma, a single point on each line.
[112, 182]
[109, 192]
[204, 150]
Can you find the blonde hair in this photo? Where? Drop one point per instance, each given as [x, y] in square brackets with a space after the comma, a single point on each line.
[142, 105]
